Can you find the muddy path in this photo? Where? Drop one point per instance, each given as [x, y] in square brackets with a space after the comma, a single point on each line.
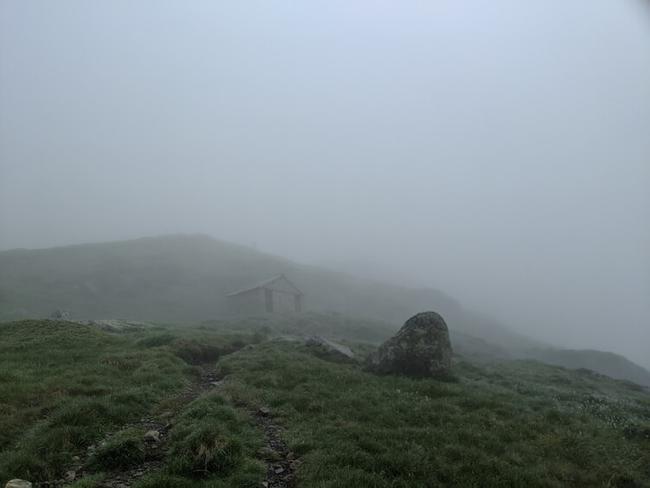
[280, 462]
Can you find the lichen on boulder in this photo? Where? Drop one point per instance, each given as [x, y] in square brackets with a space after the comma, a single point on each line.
[420, 349]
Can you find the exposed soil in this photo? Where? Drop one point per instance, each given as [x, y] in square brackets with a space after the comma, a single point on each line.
[281, 463]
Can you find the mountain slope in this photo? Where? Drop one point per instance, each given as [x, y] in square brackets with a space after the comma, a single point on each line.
[184, 278]
[607, 363]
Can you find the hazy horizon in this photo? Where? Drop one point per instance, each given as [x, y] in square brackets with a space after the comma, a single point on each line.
[496, 151]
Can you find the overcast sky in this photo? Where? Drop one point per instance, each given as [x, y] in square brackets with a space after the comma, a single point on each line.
[497, 150]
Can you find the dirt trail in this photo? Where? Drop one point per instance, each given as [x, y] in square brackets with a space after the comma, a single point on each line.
[281, 463]
[155, 448]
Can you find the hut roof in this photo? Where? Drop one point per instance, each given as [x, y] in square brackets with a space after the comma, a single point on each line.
[265, 284]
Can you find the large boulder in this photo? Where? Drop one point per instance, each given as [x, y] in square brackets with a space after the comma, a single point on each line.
[420, 349]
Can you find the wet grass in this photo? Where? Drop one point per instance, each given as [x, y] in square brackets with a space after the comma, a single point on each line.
[63, 386]
[514, 424]
[123, 450]
[213, 440]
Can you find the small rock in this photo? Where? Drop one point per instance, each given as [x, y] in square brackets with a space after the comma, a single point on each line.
[265, 484]
[330, 350]
[17, 483]
[215, 383]
[278, 470]
[70, 475]
[152, 436]
[268, 454]
[264, 411]
[76, 459]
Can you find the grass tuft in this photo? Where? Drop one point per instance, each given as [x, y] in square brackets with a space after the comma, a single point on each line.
[123, 450]
[211, 438]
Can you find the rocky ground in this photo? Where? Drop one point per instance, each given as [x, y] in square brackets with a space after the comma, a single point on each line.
[280, 461]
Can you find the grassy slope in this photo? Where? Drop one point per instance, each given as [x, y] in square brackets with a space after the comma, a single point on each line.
[514, 424]
[62, 385]
[606, 363]
[339, 326]
[184, 278]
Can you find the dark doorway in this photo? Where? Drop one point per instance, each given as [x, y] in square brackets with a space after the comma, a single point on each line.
[268, 295]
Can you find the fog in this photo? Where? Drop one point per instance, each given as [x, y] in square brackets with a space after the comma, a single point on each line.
[499, 151]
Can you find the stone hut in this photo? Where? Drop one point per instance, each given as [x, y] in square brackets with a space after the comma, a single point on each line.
[276, 294]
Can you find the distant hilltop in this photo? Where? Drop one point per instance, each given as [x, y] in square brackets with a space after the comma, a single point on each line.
[182, 277]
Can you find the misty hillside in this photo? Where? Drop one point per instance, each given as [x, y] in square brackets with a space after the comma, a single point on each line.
[436, 244]
[185, 278]
[607, 363]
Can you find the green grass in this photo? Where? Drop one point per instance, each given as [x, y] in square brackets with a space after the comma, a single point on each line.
[213, 440]
[332, 325]
[87, 482]
[123, 450]
[64, 386]
[512, 424]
